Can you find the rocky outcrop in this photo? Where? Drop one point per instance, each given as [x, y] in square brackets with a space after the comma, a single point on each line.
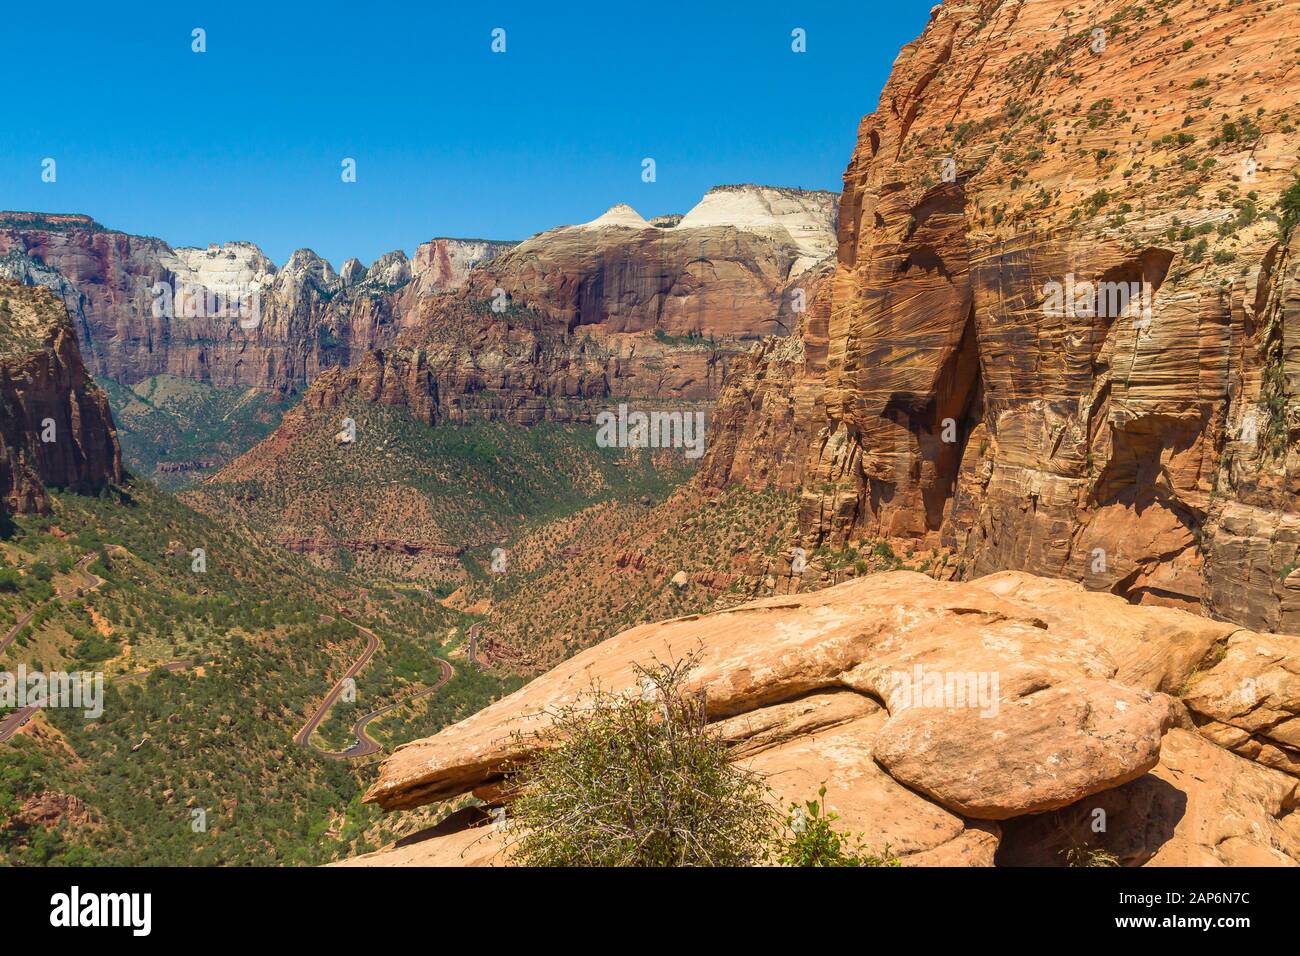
[55, 425]
[1249, 702]
[1200, 806]
[762, 429]
[938, 714]
[441, 265]
[1057, 337]
[357, 546]
[616, 308]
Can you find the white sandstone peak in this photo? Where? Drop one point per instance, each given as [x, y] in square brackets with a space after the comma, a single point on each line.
[621, 216]
[221, 267]
[304, 267]
[808, 217]
[392, 269]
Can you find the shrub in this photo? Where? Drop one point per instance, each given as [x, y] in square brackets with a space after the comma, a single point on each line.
[1084, 855]
[637, 782]
[1290, 207]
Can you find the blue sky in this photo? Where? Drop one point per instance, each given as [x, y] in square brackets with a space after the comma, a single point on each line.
[245, 141]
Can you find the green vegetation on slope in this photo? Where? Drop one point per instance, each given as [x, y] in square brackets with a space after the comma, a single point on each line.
[574, 583]
[404, 501]
[188, 428]
[195, 766]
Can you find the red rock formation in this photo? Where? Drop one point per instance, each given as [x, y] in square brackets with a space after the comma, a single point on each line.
[838, 687]
[965, 404]
[725, 270]
[55, 424]
[763, 423]
[596, 294]
[309, 318]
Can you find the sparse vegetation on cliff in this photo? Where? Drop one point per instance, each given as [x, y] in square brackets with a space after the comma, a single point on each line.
[810, 839]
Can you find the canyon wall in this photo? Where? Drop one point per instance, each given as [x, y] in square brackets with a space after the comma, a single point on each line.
[309, 317]
[1060, 335]
[55, 425]
[555, 327]
[726, 269]
[730, 269]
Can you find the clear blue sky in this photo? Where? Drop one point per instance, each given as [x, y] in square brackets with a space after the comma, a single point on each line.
[245, 141]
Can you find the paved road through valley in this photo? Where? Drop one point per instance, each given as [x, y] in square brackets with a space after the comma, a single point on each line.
[365, 746]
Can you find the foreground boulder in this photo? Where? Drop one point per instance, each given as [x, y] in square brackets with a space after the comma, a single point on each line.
[1250, 701]
[926, 707]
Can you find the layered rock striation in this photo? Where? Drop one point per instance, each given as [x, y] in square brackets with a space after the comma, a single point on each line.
[308, 317]
[1057, 336]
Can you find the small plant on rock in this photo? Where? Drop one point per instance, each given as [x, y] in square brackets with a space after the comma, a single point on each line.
[1084, 854]
[812, 840]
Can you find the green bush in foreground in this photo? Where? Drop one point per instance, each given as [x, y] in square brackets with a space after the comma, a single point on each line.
[637, 782]
[646, 782]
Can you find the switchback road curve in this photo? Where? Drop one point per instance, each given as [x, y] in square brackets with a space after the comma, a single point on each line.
[23, 621]
[365, 745]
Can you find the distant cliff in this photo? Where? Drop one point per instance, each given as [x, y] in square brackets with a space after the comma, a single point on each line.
[731, 268]
[308, 316]
[552, 328]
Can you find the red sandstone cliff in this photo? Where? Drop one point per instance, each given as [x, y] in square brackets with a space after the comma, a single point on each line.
[1153, 454]
[615, 307]
[309, 319]
[55, 425]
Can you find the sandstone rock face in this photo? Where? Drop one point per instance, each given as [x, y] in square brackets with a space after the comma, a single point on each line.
[762, 430]
[616, 308]
[1249, 702]
[1059, 335]
[934, 711]
[509, 330]
[55, 425]
[441, 265]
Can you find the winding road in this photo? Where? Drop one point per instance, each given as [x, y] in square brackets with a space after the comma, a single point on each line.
[365, 745]
[473, 645]
[11, 724]
[303, 736]
[23, 621]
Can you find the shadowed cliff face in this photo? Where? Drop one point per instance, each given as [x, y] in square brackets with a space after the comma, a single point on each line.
[55, 426]
[1057, 333]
